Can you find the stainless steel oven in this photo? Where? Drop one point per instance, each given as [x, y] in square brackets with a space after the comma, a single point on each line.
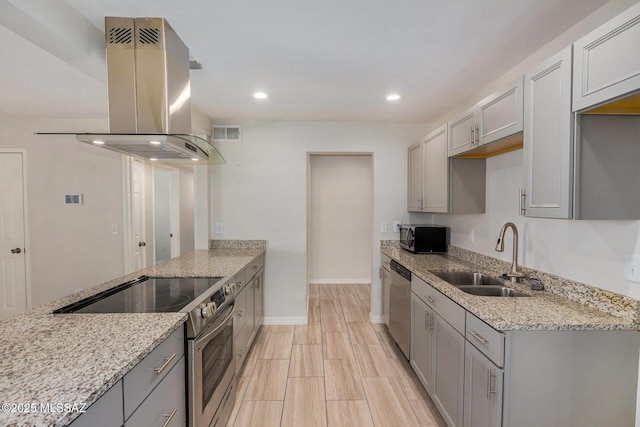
[212, 373]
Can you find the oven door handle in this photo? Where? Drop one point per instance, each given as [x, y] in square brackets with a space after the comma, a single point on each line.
[204, 339]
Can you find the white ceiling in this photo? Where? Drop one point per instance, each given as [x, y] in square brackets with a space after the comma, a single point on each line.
[318, 60]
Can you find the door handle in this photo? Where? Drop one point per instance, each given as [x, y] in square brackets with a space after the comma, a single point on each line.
[16, 251]
[142, 244]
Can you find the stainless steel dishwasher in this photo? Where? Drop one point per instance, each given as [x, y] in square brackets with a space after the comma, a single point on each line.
[400, 306]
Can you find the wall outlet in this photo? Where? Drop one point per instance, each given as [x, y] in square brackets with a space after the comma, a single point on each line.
[632, 267]
[396, 226]
[219, 228]
[383, 227]
[114, 229]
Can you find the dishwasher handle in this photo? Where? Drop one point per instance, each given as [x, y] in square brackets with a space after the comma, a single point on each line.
[401, 270]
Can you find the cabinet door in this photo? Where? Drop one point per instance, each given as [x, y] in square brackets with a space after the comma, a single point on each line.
[548, 138]
[436, 172]
[500, 114]
[483, 391]
[414, 178]
[421, 340]
[386, 286]
[462, 132]
[259, 300]
[250, 310]
[606, 63]
[448, 374]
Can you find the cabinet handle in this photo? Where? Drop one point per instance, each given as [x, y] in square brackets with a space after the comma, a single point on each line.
[165, 364]
[476, 138]
[523, 207]
[490, 377]
[427, 321]
[430, 299]
[169, 417]
[477, 336]
[239, 313]
[431, 322]
[472, 139]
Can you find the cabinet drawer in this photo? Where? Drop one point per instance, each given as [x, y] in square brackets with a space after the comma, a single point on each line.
[240, 313]
[166, 405]
[104, 412]
[254, 267]
[447, 309]
[146, 375]
[486, 339]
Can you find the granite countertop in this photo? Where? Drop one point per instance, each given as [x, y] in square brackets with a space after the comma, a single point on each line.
[543, 310]
[76, 358]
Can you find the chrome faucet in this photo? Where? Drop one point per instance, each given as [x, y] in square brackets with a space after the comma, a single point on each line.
[514, 274]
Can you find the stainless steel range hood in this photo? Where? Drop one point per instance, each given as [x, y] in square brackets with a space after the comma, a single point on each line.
[149, 94]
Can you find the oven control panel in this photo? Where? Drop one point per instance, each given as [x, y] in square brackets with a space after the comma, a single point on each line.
[209, 308]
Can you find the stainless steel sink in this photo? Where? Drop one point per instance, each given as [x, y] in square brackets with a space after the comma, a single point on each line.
[468, 278]
[492, 291]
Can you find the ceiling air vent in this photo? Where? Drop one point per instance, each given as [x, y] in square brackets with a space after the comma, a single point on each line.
[226, 133]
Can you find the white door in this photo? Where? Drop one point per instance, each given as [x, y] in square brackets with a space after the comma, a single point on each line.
[166, 199]
[138, 215]
[13, 285]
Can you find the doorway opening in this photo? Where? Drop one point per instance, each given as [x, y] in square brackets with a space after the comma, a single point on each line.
[339, 218]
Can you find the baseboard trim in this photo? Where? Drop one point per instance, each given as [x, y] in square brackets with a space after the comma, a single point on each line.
[284, 321]
[375, 319]
[340, 281]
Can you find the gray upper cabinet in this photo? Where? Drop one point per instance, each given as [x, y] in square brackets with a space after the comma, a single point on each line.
[548, 138]
[436, 172]
[462, 132]
[500, 114]
[414, 178]
[428, 174]
[606, 61]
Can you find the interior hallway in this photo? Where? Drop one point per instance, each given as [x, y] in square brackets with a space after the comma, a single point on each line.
[339, 370]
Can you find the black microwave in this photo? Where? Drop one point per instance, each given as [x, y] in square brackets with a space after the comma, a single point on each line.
[423, 239]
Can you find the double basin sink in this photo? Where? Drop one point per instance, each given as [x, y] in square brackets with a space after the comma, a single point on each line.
[479, 284]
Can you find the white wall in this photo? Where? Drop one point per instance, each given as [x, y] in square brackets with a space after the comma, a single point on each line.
[69, 247]
[261, 194]
[340, 230]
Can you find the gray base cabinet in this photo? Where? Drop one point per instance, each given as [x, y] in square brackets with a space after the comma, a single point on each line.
[478, 376]
[153, 393]
[249, 309]
[482, 390]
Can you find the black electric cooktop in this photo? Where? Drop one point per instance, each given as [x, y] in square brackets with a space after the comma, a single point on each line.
[144, 295]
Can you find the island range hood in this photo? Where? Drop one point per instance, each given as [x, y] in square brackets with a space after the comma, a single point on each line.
[149, 95]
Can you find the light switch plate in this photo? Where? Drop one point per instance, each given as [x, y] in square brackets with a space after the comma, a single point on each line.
[383, 227]
[632, 267]
[218, 228]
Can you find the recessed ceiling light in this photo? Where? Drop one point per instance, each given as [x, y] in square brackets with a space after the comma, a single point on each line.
[154, 142]
[260, 95]
[97, 142]
[393, 97]
[153, 159]
[194, 159]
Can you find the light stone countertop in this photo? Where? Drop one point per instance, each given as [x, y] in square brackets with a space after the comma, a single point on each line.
[543, 310]
[76, 358]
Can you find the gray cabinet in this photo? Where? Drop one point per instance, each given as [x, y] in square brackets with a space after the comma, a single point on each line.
[439, 184]
[249, 308]
[105, 412]
[500, 114]
[483, 390]
[606, 63]
[463, 132]
[153, 393]
[428, 174]
[415, 170]
[166, 405]
[548, 139]
[448, 371]
[422, 340]
[385, 275]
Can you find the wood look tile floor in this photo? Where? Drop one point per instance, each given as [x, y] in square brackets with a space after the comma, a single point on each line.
[338, 370]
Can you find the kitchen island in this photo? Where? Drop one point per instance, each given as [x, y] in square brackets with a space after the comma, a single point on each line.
[74, 359]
